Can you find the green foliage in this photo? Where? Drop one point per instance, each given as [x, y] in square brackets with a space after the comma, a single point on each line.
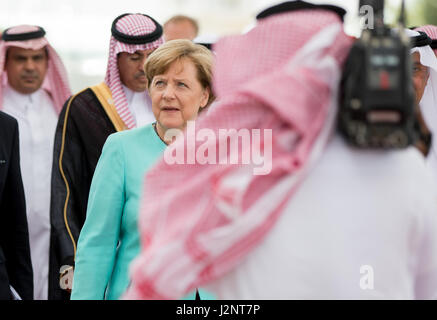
[418, 12]
[429, 11]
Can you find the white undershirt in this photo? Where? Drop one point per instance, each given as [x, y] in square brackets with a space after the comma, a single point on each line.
[356, 209]
[140, 106]
[37, 121]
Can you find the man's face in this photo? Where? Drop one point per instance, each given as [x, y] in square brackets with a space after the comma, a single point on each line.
[420, 76]
[26, 68]
[179, 30]
[130, 67]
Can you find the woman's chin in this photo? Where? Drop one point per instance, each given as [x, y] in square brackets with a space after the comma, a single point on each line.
[173, 124]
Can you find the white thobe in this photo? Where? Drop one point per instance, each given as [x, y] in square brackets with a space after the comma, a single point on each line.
[140, 105]
[362, 225]
[37, 121]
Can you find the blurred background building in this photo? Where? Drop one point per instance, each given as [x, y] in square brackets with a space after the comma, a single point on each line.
[80, 29]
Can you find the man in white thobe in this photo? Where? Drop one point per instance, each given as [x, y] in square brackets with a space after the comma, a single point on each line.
[34, 86]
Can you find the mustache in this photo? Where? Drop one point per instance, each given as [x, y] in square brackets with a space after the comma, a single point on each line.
[33, 74]
[139, 74]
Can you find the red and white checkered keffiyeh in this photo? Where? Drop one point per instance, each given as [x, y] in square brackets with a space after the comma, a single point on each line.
[431, 31]
[199, 221]
[56, 80]
[132, 25]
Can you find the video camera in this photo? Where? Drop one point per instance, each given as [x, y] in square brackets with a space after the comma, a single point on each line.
[377, 95]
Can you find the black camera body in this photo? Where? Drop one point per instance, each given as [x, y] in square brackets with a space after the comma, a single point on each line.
[377, 94]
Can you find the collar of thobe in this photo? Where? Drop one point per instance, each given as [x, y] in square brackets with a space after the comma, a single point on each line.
[134, 97]
[129, 94]
[23, 101]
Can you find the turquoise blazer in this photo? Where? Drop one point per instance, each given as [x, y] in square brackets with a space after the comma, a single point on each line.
[109, 239]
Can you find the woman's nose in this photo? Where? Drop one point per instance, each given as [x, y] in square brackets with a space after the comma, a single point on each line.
[168, 92]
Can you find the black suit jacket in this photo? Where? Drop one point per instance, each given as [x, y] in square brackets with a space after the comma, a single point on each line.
[15, 261]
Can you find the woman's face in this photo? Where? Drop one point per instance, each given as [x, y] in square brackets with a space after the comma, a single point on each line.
[177, 96]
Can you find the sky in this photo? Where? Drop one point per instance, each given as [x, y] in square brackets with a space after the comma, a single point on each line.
[80, 29]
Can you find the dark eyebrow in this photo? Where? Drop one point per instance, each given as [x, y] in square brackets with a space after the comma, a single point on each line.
[417, 64]
[33, 56]
[39, 55]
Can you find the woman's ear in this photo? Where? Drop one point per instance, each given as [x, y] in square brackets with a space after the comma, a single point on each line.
[205, 97]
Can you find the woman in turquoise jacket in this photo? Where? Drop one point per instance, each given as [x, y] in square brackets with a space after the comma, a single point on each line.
[179, 83]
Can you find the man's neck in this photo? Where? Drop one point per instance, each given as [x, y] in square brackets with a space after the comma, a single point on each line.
[129, 93]
[19, 95]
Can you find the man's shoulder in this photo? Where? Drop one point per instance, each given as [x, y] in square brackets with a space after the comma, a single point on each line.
[397, 168]
[84, 96]
[396, 159]
[7, 121]
[8, 128]
[83, 103]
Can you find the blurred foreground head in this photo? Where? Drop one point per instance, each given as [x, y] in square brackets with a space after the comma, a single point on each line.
[282, 77]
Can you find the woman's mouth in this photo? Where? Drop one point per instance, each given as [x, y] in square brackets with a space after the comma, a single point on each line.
[170, 109]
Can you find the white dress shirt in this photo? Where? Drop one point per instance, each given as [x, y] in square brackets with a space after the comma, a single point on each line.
[37, 121]
[140, 105]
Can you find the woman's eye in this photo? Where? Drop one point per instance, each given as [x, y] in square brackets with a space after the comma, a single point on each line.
[181, 84]
[159, 83]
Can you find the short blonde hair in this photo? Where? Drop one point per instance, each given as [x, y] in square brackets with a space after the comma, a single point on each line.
[160, 60]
